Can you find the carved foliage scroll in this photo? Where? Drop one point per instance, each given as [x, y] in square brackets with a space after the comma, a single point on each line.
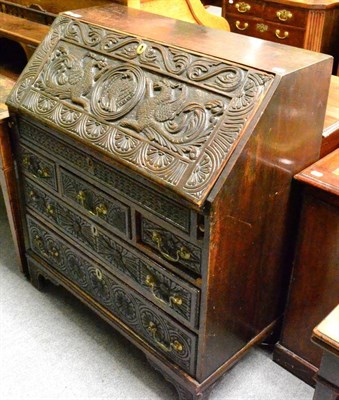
[170, 114]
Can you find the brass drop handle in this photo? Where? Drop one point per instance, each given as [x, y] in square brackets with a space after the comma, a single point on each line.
[151, 283]
[100, 209]
[43, 173]
[284, 15]
[39, 173]
[182, 253]
[241, 28]
[277, 34]
[242, 7]
[81, 197]
[176, 345]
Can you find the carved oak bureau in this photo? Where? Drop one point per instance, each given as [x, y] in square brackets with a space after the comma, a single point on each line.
[156, 176]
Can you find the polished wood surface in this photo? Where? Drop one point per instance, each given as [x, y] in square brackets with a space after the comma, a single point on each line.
[311, 25]
[326, 334]
[220, 224]
[8, 181]
[331, 125]
[314, 288]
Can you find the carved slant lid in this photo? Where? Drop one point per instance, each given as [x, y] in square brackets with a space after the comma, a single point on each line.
[169, 114]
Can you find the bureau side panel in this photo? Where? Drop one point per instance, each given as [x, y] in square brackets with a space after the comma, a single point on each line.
[251, 219]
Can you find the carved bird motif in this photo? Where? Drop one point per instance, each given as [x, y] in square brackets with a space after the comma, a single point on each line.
[117, 91]
[67, 77]
[160, 105]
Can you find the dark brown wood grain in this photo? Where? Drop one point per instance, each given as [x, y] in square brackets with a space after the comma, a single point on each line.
[315, 281]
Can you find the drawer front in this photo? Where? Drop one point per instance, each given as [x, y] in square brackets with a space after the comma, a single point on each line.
[166, 336]
[170, 247]
[283, 34]
[168, 291]
[111, 212]
[267, 31]
[244, 25]
[111, 178]
[254, 8]
[38, 168]
[286, 15]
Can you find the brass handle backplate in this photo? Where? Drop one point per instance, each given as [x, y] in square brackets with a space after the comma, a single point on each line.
[262, 28]
[181, 253]
[284, 15]
[242, 7]
[241, 28]
[279, 36]
[173, 299]
[175, 345]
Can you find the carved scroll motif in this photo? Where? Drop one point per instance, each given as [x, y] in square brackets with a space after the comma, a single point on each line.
[171, 114]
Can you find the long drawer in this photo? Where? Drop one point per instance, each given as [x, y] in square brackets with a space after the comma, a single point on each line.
[171, 293]
[153, 325]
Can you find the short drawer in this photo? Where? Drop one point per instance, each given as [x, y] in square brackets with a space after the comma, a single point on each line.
[170, 247]
[110, 212]
[244, 25]
[159, 330]
[283, 34]
[286, 15]
[243, 8]
[112, 178]
[170, 292]
[38, 168]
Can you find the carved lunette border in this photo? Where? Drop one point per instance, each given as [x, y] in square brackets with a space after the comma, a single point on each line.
[240, 86]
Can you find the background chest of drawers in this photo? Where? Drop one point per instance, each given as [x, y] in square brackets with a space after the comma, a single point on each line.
[156, 180]
[308, 24]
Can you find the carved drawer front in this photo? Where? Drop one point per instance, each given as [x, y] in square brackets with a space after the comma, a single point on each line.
[162, 333]
[111, 212]
[168, 291]
[170, 247]
[38, 168]
[110, 177]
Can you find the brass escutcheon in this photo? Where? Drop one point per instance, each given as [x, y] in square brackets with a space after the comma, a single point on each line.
[262, 28]
[284, 15]
[242, 7]
[141, 48]
[98, 274]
